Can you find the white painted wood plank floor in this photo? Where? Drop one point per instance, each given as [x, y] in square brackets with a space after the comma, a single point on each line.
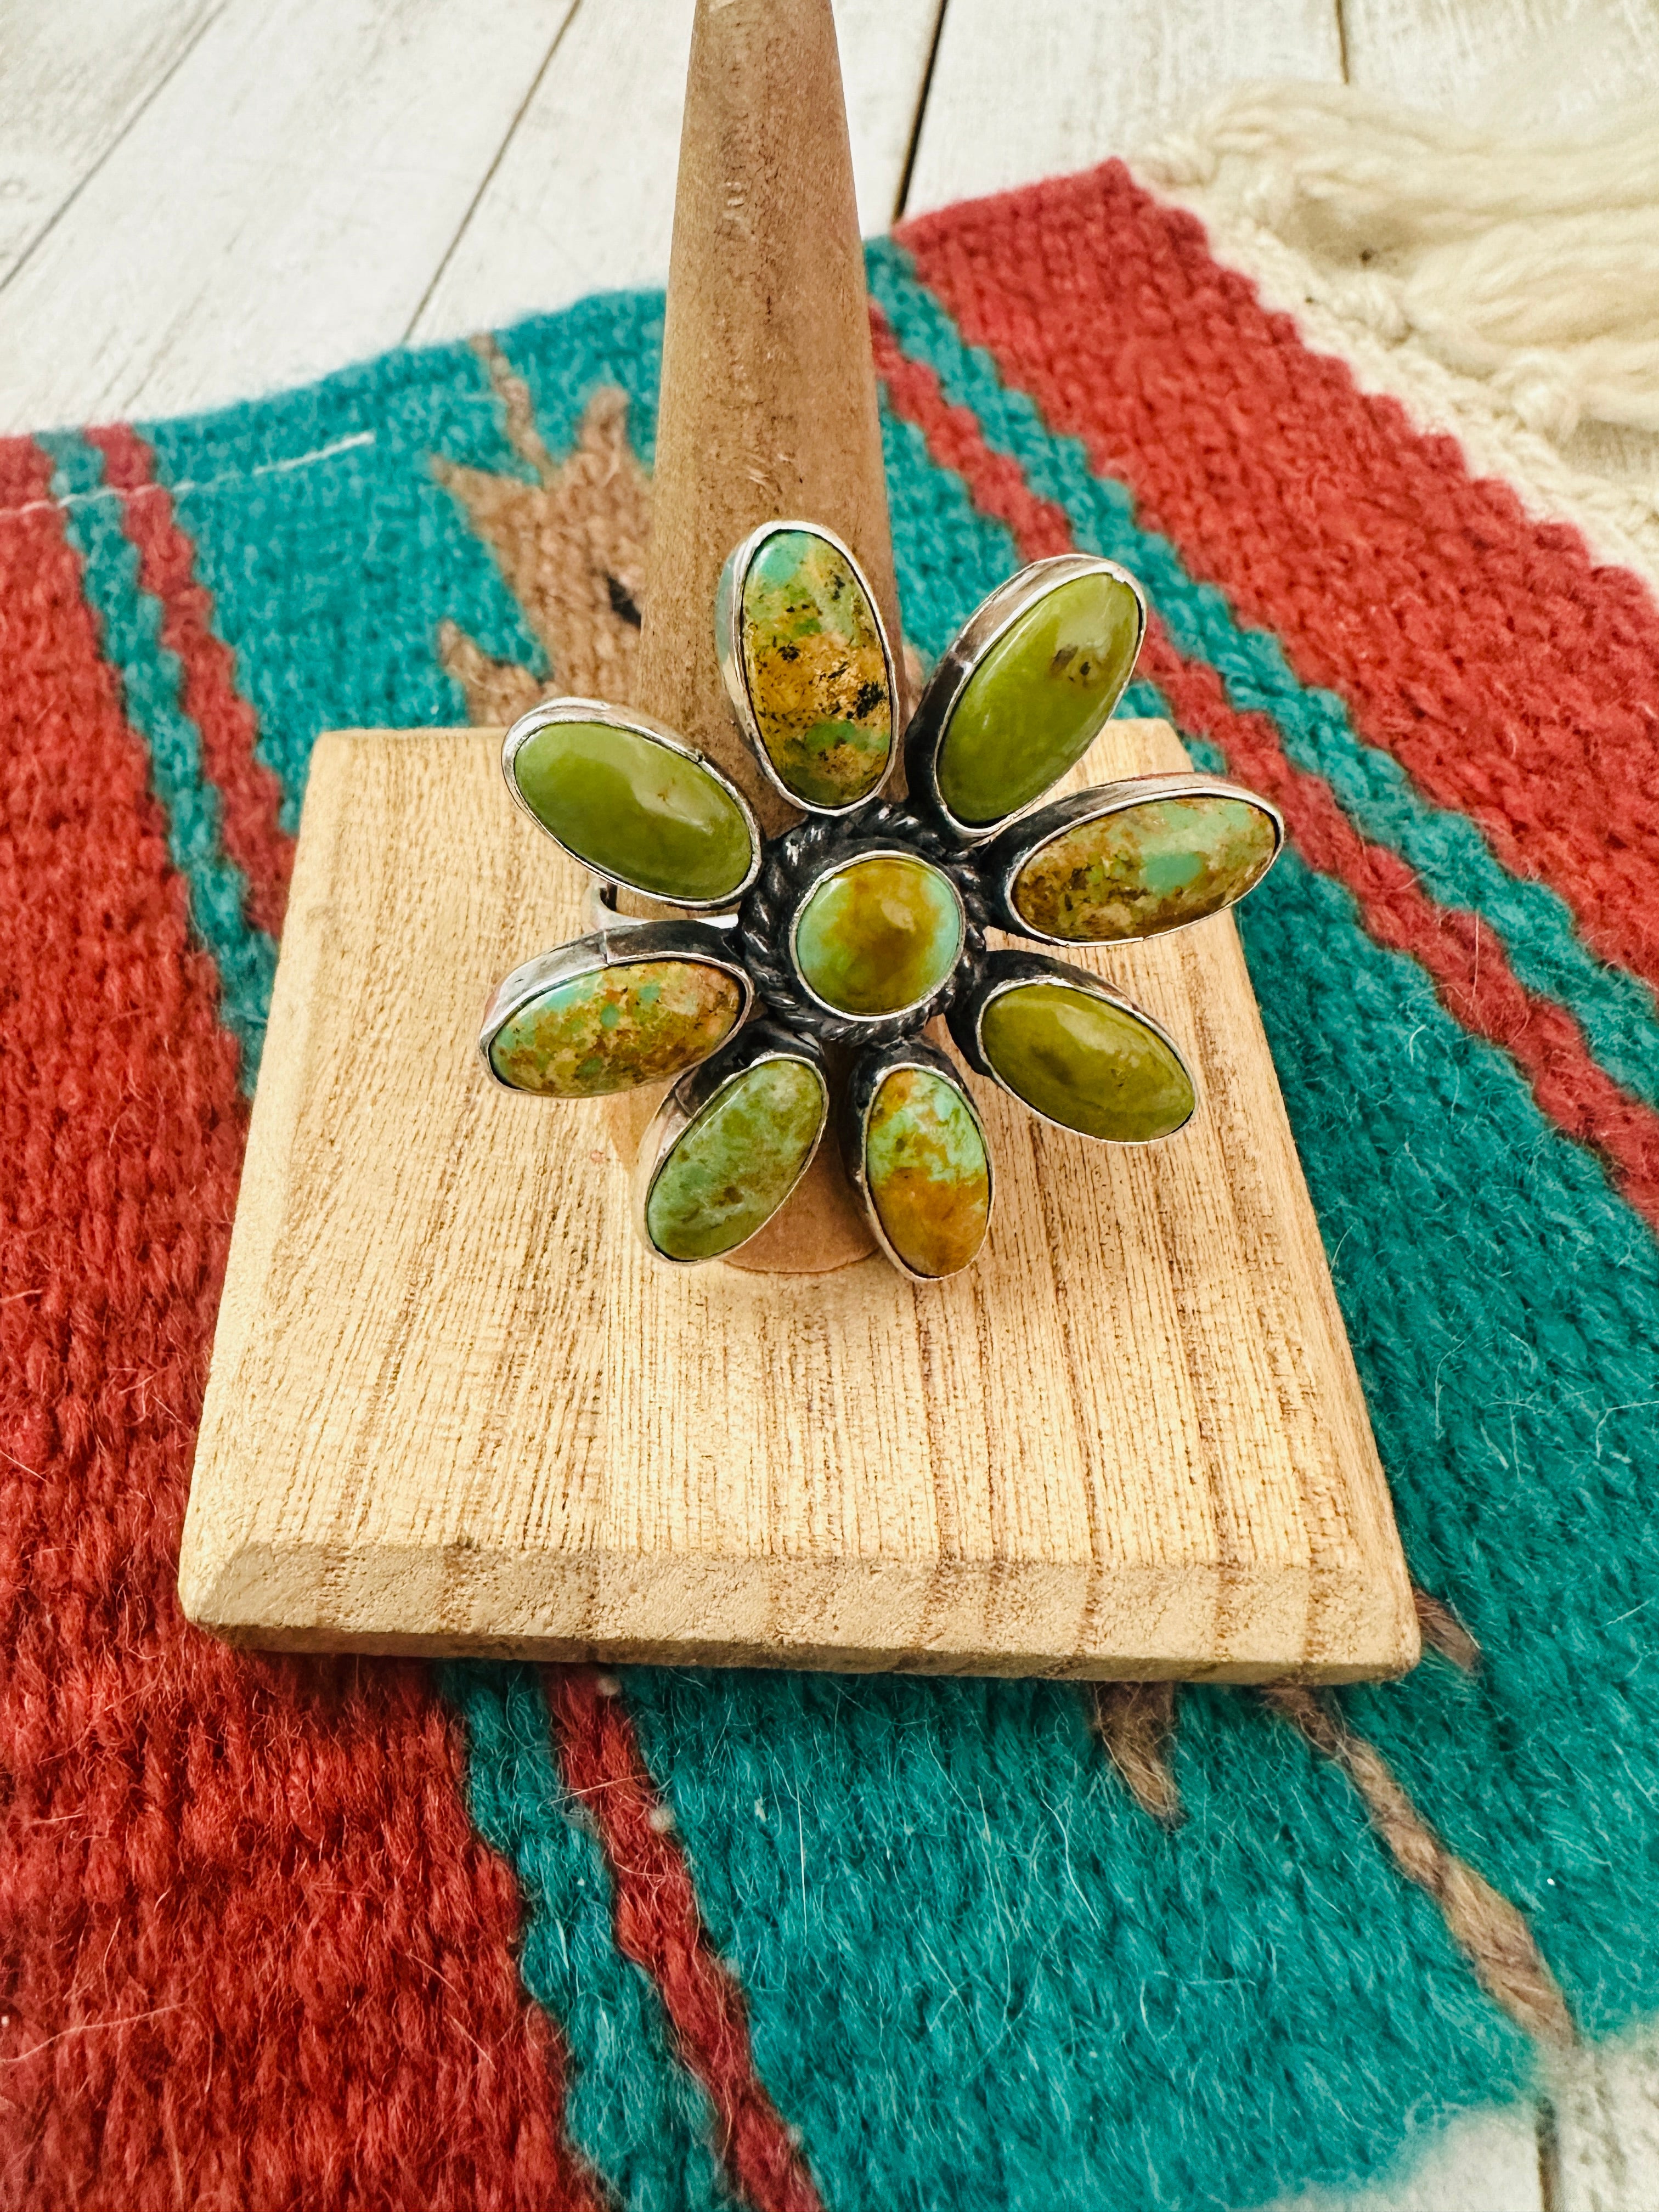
[204, 199]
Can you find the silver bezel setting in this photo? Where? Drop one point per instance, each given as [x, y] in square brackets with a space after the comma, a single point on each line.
[625, 947]
[869, 1072]
[1027, 835]
[852, 856]
[697, 1089]
[1008, 971]
[960, 661]
[728, 648]
[551, 711]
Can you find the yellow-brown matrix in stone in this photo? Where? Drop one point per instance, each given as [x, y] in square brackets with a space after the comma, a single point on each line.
[816, 672]
[729, 1171]
[879, 934]
[926, 1167]
[616, 1028]
[1144, 869]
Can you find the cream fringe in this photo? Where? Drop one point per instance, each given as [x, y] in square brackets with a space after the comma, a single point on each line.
[1505, 290]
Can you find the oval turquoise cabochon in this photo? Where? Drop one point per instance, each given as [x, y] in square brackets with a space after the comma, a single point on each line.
[1141, 869]
[615, 1028]
[816, 670]
[1087, 1062]
[927, 1171]
[1040, 698]
[637, 810]
[734, 1165]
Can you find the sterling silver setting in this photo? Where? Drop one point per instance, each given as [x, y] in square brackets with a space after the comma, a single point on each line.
[752, 934]
[1001, 860]
[849, 856]
[616, 947]
[1008, 971]
[870, 1071]
[600, 910]
[796, 863]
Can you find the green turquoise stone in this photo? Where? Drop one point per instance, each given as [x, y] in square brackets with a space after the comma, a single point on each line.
[1144, 869]
[926, 1171]
[1086, 1063]
[635, 811]
[1038, 701]
[816, 672]
[615, 1028]
[879, 935]
[736, 1162]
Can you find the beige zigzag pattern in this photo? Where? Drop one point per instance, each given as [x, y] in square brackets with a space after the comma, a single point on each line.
[570, 542]
[1134, 1721]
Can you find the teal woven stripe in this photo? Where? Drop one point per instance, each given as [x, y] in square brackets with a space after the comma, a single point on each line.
[979, 1976]
[1055, 2002]
[332, 552]
[948, 556]
[638, 2119]
[1144, 702]
[1616, 1010]
[614, 338]
[130, 618]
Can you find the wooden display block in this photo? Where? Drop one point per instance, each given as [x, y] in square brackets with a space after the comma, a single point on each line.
[454, 1407]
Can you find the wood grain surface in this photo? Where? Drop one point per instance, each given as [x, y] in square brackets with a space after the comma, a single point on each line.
[768, 406]
[74, 79]
[598, 140]
[335, 148]
[455, 1407]
[201, 201]
[1544, 65]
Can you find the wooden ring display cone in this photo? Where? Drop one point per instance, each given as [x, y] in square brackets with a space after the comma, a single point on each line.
[768, 410]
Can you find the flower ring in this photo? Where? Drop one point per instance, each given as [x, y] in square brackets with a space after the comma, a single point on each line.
[849, 932]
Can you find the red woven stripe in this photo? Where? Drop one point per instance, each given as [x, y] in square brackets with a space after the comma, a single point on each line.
[249, 791]
[251, 1952]
[1469, 967]
[659, 1927]
[956, 441]
[1513, 677]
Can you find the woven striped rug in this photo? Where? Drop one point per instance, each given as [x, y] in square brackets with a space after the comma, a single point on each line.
[283, 1933]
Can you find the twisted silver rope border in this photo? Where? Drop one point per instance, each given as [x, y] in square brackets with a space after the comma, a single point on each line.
[791, 863]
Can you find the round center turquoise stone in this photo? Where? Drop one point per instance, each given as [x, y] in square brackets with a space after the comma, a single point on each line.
[879, 935]
[1087, 1062]
[635, 811]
